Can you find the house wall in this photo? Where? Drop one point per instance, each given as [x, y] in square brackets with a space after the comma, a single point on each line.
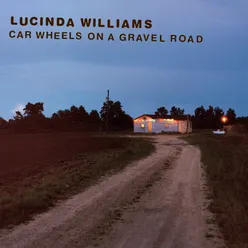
[183, 128]
[138, 122]
[190, 127]
[139, 129]
[160, 126]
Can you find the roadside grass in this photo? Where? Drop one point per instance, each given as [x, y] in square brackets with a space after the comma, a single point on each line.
[225, 159]
[37, 194]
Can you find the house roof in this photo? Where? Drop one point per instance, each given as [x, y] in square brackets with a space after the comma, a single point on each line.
[179, 118]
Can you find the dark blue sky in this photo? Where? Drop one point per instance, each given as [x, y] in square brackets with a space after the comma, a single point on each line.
[143, 76]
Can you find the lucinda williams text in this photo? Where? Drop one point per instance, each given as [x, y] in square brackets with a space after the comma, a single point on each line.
[93, 23]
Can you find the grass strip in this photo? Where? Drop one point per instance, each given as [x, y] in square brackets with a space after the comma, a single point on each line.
[225, 158]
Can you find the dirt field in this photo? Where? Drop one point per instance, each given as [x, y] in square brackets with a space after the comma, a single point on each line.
[28, 154]
[40, 170]
[156, 202]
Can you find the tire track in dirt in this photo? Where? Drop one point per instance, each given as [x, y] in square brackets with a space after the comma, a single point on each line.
[171, 214]
[128, 205]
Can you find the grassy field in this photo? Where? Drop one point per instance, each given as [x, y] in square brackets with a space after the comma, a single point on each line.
[37, 170]
[226, 161]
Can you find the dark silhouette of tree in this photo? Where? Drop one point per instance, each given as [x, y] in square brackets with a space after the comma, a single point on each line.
[210, 117]
[207, 118]
[126, 122]
[176, 111]
[218, 112]
[18, 116]
[83, 114]
[110, 109]
[31, 120]
[162, 111]
[74, 114]
[94, 116]
[199, 120]
[200, 112]
[117, 118]
[231, 116]
[63, 115]
[77, 118]
[55, 116]
[34, 109]
[3, 122]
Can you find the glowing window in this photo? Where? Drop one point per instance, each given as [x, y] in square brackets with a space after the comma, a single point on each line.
[166, 125]
[142, 125]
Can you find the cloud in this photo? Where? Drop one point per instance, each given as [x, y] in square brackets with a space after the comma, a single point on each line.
[18, 107]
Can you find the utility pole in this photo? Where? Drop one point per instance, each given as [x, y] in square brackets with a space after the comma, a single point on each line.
[187, 124]
[107, 114]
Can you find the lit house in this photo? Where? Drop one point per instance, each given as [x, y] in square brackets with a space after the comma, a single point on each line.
[156, 124]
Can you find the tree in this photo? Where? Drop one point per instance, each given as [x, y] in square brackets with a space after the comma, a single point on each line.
[18, 116]
[162, 111]
[55, 116]
[34, 109]
[2, 122]
[231, 116]
[118, 109]
[126, 122]
[69, 118]
[74, 114]
[218, 112]
[199, 120]
[107, 109]
[117, 118]
[176, 111]
[210, 117]
[62, 115]
[94, 116]
[82, 113]
[200, 112]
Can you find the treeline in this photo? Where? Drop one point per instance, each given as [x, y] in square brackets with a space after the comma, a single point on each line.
[111, 117]
[32, 118]
[174, 111]
[205, 118]
[211, 117]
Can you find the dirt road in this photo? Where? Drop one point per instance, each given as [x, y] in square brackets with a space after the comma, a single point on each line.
[156, 202]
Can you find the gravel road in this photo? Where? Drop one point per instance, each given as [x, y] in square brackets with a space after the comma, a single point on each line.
[155, 202]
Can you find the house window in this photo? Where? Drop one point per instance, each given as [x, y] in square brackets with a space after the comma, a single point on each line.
[166, 125]
[142, 125]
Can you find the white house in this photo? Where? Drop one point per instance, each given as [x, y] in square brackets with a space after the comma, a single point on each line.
[147, 123]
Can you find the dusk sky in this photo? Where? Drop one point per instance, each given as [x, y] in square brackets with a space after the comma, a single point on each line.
[142, 76]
